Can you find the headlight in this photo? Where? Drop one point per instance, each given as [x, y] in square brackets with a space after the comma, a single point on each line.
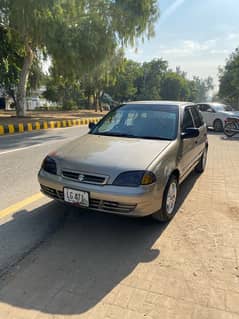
[49, 165]
[135, 178]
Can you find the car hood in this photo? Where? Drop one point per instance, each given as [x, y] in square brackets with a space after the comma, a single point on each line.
[108, 155]
[230, 113]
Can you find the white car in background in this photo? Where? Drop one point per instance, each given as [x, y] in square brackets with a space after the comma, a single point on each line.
[215, 114]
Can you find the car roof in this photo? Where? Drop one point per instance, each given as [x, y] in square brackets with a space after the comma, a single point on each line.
[212, 103]
[172, 103]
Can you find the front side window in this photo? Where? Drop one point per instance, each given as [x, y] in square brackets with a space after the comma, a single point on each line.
[197, 117]
[141, 121]
[187, 119]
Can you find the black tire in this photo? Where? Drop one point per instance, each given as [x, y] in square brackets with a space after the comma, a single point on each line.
[163, 215]
[218, 125]
[227, 129]
[200, 168]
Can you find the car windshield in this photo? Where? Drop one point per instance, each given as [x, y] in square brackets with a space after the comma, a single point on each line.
[140, 121]
[222, 108]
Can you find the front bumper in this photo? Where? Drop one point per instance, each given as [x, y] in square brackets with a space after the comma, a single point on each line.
[138, 201]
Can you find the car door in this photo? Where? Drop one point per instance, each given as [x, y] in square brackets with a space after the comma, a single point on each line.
[187, 152]
[208, 114]
[200, 141]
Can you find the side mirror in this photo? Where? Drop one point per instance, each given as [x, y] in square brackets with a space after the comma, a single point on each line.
[189, 133]
[92, 126]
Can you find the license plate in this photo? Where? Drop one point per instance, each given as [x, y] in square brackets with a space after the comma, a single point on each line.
[76, 197]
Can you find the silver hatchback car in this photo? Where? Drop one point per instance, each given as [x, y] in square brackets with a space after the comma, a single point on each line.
[131, 162]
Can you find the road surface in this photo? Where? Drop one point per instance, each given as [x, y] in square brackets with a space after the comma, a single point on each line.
[67, 263]
[20, 159]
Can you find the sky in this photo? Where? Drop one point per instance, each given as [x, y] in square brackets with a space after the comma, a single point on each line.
[197, 35]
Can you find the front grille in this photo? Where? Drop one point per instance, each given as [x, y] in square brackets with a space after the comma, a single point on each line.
[52, 192]
[117, 207]
[85, 178]
[97, 204]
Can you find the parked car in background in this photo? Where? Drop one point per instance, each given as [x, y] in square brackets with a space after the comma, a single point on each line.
[215, 114]
[130, 163]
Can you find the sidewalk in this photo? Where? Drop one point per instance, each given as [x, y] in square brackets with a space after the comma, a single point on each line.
[99, 266]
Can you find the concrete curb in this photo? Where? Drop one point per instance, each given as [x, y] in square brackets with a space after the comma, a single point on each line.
[44, 125]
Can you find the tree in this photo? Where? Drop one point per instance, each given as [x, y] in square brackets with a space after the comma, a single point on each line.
[149, 85]
[11, 57]
[229, 80]
[78, 34]
[96, 81]
[64, 91]
[125, 87]
[175, 87]
[200, 88]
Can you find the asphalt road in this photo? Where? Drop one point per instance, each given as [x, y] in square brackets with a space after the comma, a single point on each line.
[20, 159]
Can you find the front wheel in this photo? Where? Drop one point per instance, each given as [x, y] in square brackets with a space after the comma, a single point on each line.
[228, 129]
[169, 201]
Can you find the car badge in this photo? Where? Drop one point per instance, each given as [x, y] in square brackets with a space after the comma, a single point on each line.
[81, 177]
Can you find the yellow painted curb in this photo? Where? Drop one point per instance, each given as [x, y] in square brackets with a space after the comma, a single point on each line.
[21, 127]
[20, 205]
[11, 128]
[29, 127]
[1, 130]
[52, 124]
[38, 125]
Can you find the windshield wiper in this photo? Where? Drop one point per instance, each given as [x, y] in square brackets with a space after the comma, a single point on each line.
[154, 138]
[116, 134]
[133, 136]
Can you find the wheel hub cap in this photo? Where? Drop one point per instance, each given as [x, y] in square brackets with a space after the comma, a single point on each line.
[171, 198]
[204, 159]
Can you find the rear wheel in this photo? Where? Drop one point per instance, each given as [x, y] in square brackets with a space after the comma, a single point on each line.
[169, 201]
[228, 129]
[218, 126]
[200, 168]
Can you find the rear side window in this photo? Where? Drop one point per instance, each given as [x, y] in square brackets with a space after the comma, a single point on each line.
[204, 108]
[197, 117]
[187, 119]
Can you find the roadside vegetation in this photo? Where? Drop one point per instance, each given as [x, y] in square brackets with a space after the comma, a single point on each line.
[78, 36]
[75, 49]
[229, 80]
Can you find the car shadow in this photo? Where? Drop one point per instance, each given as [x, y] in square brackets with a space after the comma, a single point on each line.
[185, 188]
[85, 261]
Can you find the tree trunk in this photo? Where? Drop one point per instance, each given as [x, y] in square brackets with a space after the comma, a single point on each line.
[22, 86]
[96, 102]
[11, 93]
[100, 94]
[88, 101]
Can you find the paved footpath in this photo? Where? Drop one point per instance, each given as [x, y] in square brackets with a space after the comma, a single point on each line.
[101, 266]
